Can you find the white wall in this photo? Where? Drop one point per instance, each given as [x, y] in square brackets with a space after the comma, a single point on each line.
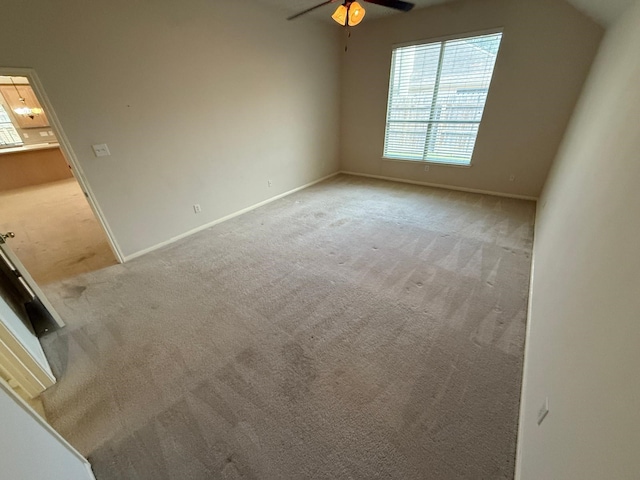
[583, 348]
[199, 102]
[30, 450]
[546, 52]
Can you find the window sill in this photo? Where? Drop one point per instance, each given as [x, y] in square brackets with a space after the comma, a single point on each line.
[427, 162]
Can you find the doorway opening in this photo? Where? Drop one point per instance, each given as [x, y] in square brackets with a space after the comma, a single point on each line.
[57, 230]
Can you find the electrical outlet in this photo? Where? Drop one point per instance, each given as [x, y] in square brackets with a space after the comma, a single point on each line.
[544, 411]
[269, 182]
[512, 177]
[426, 168]
[196, 208]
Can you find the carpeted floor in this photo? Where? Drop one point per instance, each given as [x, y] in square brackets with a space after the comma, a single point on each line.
[357, 329]
[57, 234]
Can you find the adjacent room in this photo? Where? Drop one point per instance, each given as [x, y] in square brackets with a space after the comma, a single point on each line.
[54, 231]
[304, 240]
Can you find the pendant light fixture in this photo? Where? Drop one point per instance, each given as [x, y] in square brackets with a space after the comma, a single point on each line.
[349, 14]
[25, 110]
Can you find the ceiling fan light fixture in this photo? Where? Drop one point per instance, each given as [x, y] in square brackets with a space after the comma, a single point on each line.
[351, 14]
[340, 15]
[356, 14]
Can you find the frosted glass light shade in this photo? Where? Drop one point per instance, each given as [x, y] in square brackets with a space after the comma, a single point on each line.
[356, 14]
[340, 15]
[353, 14]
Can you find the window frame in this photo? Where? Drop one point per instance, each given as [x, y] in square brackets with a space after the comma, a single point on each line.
[444, 38]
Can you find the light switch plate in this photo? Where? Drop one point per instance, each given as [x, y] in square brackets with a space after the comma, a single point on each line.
[101, 150]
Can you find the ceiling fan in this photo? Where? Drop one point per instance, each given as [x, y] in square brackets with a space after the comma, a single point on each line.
[350, 13]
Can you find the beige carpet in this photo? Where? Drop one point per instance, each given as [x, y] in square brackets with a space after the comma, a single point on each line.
[57, 235]
[357, 329]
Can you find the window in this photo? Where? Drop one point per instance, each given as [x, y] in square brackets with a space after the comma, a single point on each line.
[437, 94]
[9, 136]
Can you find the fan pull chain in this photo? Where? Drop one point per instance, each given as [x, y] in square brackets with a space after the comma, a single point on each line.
[346, 42]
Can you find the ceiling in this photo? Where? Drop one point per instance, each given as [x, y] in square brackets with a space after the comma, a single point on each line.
[289, 7]
[604, 12]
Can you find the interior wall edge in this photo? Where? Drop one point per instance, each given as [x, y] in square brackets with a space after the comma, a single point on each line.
[581, 353]
[6, 391]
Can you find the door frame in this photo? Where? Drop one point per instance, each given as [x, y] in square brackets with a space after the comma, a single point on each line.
[65, 145]
[18, 365]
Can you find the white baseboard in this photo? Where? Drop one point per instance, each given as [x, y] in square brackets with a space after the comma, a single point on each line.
[272, 199]
[223, 219]
[525, 362]
[439, 185]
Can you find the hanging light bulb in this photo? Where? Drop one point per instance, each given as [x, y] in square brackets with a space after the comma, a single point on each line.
[351, 14]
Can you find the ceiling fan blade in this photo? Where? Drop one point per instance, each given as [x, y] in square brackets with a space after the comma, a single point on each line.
[311, 9]
[395, 4]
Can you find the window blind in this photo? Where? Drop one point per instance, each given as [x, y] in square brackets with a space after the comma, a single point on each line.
[9, 136]
[437, 94]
